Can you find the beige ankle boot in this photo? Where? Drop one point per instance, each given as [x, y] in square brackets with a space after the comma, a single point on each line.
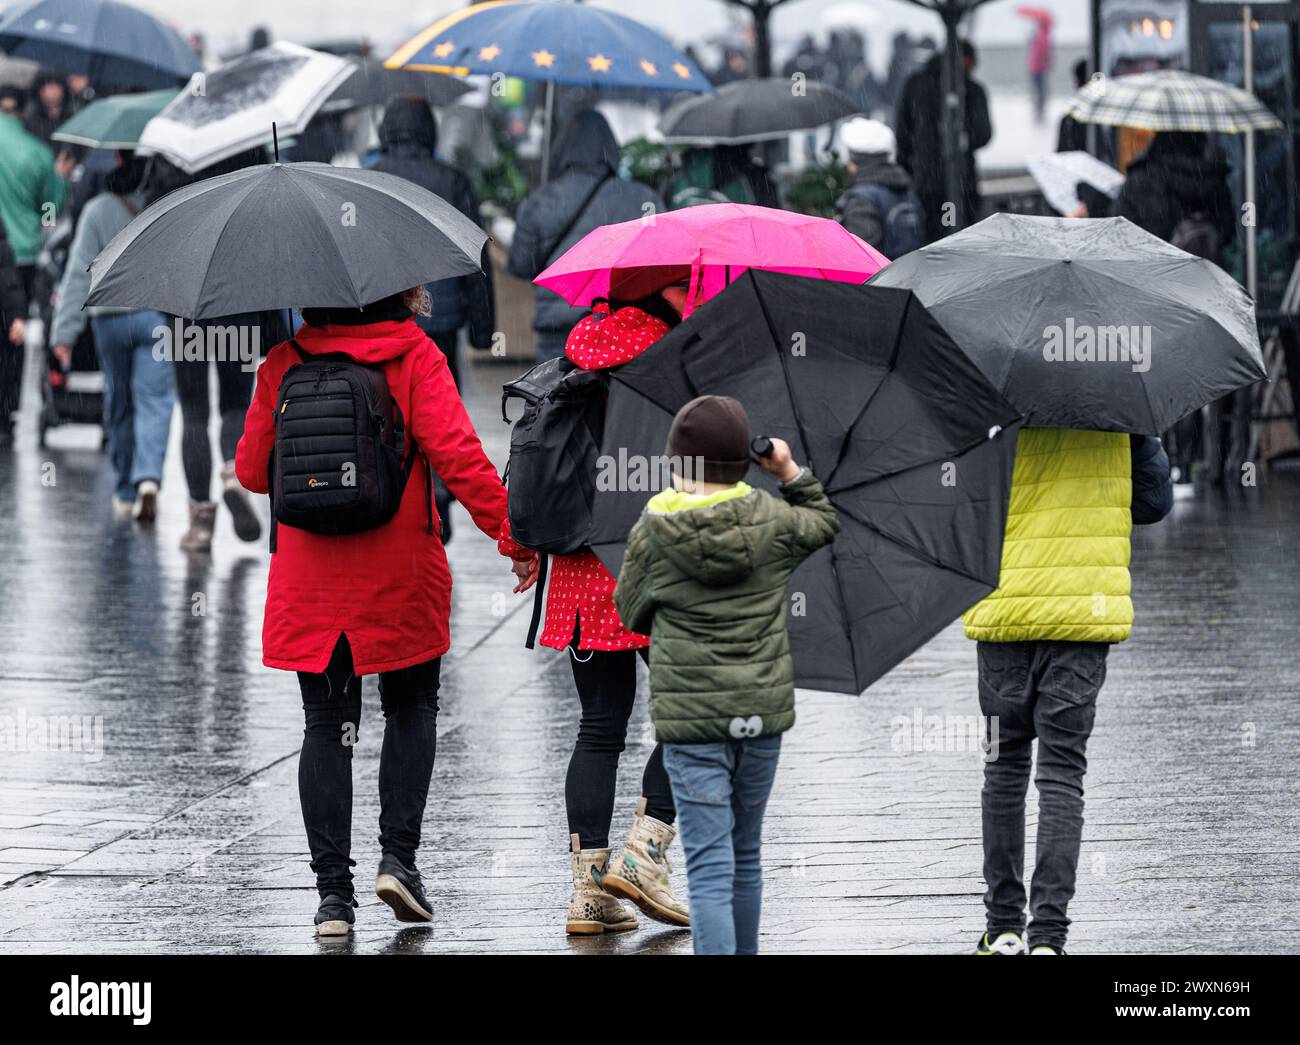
[203, 517]
[640, 873]
[592, 910]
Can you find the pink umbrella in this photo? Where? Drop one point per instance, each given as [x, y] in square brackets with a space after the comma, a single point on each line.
[716, 243]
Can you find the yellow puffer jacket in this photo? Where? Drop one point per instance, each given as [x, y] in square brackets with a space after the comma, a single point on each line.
[1066, 554]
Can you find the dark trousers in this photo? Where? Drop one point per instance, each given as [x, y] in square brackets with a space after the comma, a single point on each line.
[331, 702]
[12, 356]
[234, 390]
[606, 681]
[1045, 690]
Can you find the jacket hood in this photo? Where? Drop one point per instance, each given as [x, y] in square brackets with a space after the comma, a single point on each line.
[710, 538]
[587, 143]
[409, 121]
[366, 343]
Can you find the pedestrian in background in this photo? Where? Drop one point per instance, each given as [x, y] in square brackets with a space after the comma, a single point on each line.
[138, 388]
[585, 191]
[879, 205]
[918, 125]
[31, 193]
[1178, 190]
[705, 574]
[1043, 639]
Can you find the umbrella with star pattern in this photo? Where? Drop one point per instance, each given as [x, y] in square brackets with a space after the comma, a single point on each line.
[563, 42]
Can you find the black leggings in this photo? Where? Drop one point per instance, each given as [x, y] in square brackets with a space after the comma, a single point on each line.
[332, 704]
[606, 681]
[234, 390]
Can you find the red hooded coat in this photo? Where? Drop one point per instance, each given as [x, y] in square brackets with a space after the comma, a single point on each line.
[388, 589]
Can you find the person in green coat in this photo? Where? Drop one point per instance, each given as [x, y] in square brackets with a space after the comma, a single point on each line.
[705, 577]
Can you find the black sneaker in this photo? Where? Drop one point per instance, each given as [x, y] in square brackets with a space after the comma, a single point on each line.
[1004, 942]
[334, 916]
[399, 886]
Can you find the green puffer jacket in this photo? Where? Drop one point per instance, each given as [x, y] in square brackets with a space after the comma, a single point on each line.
[705, 577]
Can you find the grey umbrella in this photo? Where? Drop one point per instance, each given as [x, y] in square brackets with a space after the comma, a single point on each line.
[284, 235]
[753, 111]
[1087, 322]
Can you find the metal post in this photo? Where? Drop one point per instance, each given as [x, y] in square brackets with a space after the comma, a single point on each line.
[1248, 81]
[547, 120]
[953, 89]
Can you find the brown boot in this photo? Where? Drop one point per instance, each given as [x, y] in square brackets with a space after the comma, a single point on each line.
[203, 516]
[640, 873]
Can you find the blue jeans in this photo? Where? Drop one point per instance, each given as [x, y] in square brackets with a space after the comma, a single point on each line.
[139, 392]
[721, 794]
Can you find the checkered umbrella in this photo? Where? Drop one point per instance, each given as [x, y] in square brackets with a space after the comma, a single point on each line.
[1171, 100]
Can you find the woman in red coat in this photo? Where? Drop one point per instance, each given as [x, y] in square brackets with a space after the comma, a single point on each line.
[339, 607]
[580, 617]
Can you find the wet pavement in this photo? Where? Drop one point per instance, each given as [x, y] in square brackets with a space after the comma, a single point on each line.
[180, 831]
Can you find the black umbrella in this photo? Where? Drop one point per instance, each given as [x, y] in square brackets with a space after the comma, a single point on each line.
[914, 446]
[1087, 322]
[111, 43]
[754, 111]
[284, 235]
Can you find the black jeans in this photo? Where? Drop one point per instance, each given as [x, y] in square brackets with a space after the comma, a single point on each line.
[331, 702]
[1044, 690]
[234, 390]
[606, 681]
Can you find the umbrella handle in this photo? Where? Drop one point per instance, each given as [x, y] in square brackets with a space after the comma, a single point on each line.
[761, 446]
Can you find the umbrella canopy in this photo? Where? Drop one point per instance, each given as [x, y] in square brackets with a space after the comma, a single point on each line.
[1058, 174]
[113, 44]
[284, 235]
[372, 84]
[1170, 100]
[754, 111]
[914, 446]
[560, 42]
[282, 85]
[717, 242]
[1087, 323]
[116, 122]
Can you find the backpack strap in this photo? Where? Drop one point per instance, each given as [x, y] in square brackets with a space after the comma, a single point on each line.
[577, 216]
[539, 601]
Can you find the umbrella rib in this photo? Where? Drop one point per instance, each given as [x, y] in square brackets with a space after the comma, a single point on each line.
[910, 549]
[893, 356]
[338, 250]
[803, 438]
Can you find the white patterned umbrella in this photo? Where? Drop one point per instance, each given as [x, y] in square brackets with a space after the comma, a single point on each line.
[1170, 100]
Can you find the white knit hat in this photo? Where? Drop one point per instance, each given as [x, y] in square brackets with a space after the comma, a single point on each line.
[864, 137]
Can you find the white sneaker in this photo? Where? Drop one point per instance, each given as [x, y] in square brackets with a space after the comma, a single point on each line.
[122, 509]
[146, 501]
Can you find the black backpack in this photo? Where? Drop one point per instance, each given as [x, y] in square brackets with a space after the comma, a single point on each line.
[554, 446]
[342, 457]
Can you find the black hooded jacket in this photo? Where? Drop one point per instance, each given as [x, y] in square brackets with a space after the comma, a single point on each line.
[408, 137]
[1178, 176]
[918, 126]
[585, 157]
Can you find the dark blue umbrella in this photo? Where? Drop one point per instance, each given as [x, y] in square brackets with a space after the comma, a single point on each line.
[113, 44]
[556, 42]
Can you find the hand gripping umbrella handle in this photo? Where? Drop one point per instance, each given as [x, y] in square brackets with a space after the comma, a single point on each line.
[761, 446]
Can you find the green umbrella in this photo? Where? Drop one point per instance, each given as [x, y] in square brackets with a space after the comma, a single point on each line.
[114, 123]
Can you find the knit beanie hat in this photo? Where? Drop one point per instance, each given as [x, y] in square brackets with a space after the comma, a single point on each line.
[716, 429]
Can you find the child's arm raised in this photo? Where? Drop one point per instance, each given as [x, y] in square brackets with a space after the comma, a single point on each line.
[814, 522]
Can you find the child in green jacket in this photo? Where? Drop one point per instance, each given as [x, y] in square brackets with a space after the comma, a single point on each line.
[705, 576]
